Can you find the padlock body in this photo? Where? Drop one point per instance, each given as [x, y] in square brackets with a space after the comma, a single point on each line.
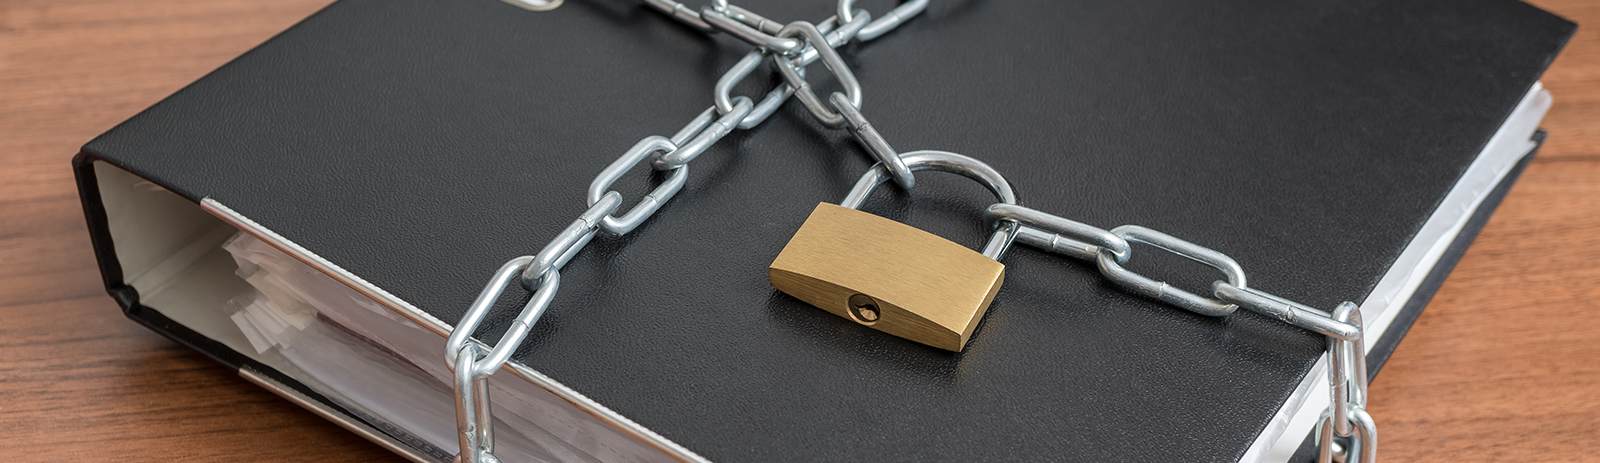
[921, 287]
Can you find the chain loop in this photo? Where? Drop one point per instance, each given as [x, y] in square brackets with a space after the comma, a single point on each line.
[572, 239]
[1347, 416]
[1113, 270]
[888, 22]
[1347, 371]
[682, 13]
[756, 21]
[694, 127]
[709, 134]
[721, 20]
[1365, 441]
[1285, 310]
[830, 60]
[845, 106]
[845, 10]
[837, 34]
[474, 423]
[645, 149]
[531, 311]
[869, 137]
[722, 93]
[1053, 233]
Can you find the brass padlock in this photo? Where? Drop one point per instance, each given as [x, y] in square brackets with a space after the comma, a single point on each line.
[890, 276]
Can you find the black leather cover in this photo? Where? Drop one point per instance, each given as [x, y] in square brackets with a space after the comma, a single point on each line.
[420, 144]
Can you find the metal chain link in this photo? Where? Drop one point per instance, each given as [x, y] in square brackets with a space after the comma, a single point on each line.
[791, 48]
[843, 108]
[1110, 250]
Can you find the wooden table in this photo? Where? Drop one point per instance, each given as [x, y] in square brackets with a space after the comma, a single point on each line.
[1504, 365]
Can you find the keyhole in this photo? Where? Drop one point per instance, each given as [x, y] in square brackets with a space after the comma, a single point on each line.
[864, 310]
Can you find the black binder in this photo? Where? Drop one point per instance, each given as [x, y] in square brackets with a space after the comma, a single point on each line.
[408, 147]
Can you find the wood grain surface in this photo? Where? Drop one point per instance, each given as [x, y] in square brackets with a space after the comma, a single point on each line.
[1503, 366]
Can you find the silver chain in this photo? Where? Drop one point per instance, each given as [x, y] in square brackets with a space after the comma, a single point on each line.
[1110, 250]
[791, 48]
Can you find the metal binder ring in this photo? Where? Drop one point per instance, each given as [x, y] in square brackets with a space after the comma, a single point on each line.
[944, 161]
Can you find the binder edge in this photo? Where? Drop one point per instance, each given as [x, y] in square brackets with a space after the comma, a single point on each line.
[127, 298]
[1385, 346]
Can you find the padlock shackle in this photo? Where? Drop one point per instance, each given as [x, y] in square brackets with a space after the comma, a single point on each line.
[944, 161]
